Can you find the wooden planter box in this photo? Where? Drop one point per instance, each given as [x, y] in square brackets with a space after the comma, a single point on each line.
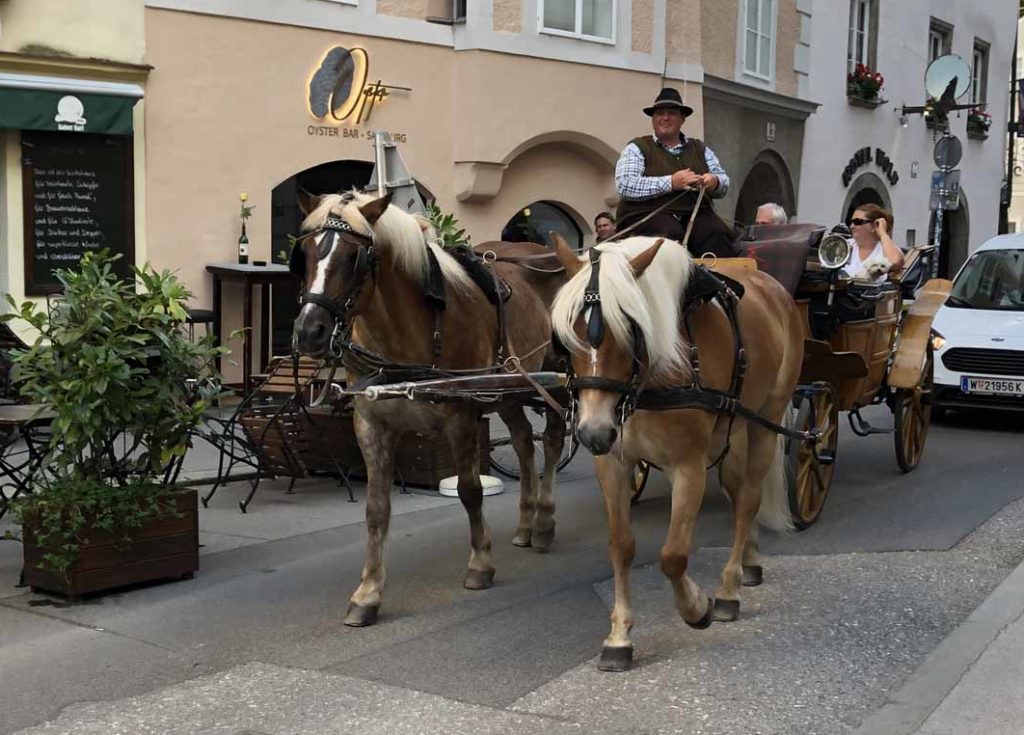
[422, 460]
[165, 548]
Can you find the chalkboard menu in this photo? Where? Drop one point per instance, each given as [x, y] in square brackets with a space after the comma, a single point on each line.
[78, 198]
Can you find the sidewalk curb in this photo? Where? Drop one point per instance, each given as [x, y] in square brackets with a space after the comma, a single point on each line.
[936, 677]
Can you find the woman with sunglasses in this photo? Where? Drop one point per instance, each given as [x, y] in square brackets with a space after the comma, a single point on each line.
[870, 226]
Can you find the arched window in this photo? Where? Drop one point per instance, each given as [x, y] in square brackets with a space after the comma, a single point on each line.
[535, 222]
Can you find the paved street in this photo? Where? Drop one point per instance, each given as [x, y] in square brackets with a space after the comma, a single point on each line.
[850, 609]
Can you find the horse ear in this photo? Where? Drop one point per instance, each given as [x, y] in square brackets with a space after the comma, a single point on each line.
[373, 210]
[566, 256]
[640, 262]
[307, 202]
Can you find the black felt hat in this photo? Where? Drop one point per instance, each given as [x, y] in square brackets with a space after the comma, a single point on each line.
[669, 97]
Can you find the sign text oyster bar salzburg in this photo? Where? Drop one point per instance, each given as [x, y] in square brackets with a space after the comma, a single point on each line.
[339, 93]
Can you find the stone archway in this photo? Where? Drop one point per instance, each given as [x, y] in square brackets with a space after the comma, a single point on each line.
[865, 189]
[767, 181]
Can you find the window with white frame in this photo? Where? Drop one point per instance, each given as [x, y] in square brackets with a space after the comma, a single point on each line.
[759, 38]
[979, 73]
[863, 27]
[940, 39]
[590, 19]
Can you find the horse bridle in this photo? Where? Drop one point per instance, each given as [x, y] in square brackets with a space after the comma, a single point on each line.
[364, 270]
[629, 391]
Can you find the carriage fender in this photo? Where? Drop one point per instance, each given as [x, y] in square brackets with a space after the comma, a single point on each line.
[915, 333]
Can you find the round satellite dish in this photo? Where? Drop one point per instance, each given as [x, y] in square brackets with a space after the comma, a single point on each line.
[948, 151]
[947, 78]
[449, 486]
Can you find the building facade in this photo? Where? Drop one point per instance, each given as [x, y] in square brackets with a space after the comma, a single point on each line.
[858, 151]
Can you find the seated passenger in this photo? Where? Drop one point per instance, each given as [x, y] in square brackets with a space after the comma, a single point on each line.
[771, 213]
[875, 255]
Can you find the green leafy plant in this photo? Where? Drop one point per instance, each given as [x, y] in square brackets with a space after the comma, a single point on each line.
[126, 385]
[449, 234]
[864, 83]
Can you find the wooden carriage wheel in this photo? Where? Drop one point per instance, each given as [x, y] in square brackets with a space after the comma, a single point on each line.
[640, 474]
[912, 413]
[809, 468]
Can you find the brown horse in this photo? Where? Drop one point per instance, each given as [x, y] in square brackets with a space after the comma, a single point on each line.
[367, 266]
[643, 342]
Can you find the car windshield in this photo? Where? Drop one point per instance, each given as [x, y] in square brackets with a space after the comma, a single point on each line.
[993, 279]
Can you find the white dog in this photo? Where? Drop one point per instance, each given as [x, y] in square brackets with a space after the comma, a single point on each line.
[874, 269]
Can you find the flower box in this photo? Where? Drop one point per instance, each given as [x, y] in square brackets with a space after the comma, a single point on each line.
[976, 134]
[163, 548]
[865, 103]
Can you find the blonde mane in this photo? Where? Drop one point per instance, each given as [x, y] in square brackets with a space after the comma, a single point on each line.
[401, 236]
[651, 301]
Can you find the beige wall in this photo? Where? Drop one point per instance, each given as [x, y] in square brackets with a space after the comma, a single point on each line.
[787, 37]
[718, 34]
[643, 25]
[404, 8]
[508, 16]
[100, 29]
[683, 37]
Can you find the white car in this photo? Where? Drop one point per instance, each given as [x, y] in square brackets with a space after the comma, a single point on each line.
[979, 355]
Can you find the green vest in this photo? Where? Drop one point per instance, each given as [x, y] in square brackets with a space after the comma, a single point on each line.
[659, 162]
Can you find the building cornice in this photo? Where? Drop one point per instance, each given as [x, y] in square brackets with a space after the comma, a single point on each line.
[756, 98]
[73, 66]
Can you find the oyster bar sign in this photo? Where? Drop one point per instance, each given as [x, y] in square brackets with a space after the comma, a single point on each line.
[339, 92]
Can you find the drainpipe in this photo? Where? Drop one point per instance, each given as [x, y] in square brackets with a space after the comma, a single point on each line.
[1011, 129]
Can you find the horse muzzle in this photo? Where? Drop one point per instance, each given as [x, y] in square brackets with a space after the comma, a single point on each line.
[598, 438]
[313, 329]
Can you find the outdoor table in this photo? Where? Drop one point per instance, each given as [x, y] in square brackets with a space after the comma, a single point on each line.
[18, 422]
[248, 275]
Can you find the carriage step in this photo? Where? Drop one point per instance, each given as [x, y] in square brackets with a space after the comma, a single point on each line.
[861, 427]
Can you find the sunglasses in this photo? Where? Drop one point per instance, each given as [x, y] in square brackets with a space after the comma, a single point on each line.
[859, 221]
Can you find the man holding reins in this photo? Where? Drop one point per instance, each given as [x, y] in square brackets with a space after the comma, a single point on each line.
[663, 173]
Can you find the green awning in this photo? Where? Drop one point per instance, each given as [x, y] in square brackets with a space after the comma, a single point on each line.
[33, 103]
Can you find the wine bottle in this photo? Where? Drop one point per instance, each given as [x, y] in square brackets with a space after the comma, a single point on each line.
[243, 247]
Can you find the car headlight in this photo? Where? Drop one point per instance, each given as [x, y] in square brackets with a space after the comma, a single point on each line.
[938, 341]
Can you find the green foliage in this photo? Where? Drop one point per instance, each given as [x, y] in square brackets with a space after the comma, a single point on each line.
[449, 234]
[115, 365]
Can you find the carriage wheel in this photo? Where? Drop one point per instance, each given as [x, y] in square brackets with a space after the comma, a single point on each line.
[809, 467]
[641, 471]
[503, 456]
[912, 413]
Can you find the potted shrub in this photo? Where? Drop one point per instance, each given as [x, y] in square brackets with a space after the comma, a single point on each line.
[114, 364]
[978, 123]
[863, 87]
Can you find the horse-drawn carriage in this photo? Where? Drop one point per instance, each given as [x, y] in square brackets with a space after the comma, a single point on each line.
[866, 343]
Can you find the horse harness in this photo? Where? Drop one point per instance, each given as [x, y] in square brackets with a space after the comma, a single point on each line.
[379, 369]
[705, 287]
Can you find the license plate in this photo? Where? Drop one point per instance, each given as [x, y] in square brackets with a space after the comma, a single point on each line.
[992, 386]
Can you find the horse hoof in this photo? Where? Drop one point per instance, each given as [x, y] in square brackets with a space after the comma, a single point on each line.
[727, 611]
[616, 658]
[753, 576]
[359, 616]
[522, 538]
[542, 540]
[477, 579]
[705, 621]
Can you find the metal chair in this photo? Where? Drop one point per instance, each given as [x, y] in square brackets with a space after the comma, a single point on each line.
[274, 432]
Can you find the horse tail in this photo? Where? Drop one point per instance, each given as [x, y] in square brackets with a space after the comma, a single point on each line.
[774, 512]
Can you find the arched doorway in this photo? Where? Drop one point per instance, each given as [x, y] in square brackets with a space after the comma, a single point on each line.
[865, 189]
[536, 221]
[956, 233]
[767, 181]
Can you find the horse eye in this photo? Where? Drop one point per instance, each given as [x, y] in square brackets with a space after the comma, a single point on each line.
[324, 247]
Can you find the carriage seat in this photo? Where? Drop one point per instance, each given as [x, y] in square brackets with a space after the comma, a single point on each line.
[780, 250]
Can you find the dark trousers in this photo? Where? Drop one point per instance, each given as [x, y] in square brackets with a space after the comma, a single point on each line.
[710, 234]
